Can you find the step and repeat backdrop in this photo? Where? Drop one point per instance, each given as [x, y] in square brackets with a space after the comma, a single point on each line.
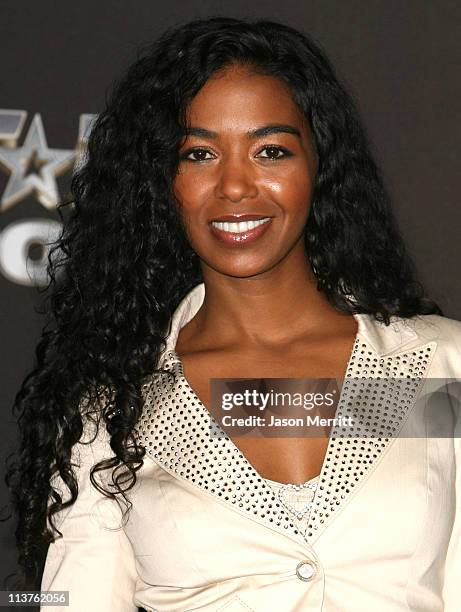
[399, 59]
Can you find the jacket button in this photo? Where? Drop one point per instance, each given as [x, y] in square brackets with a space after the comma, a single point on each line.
[306, 570]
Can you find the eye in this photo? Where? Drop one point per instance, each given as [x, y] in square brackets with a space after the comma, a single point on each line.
[274, 152]
[199, 153]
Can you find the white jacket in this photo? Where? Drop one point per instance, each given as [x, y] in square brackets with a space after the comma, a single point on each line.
[205, 532]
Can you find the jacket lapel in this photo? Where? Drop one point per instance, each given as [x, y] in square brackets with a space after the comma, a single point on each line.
[181, 435]
[379, 392]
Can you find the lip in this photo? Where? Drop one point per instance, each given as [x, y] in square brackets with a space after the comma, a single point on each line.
[233, 239]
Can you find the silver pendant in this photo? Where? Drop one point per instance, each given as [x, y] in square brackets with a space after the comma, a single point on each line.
[298, 512]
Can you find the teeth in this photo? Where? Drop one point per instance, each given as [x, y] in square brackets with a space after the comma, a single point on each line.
[238, 228]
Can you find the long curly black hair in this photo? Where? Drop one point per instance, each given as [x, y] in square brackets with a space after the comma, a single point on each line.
[125, 263]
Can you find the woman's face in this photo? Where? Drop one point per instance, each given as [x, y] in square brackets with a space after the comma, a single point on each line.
[248, 152]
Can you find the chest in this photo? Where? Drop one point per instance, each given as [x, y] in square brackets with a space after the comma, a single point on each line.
[286, 458]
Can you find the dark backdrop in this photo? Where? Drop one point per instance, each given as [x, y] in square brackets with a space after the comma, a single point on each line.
[400, 60]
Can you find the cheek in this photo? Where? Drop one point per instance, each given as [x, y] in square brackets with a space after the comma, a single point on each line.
[292, 190]
[180, 188]
[189, 191]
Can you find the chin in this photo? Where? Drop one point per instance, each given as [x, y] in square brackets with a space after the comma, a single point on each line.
[246, 271]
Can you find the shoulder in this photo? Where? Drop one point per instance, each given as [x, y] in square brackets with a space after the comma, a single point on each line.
[435, 327]
[445, 333]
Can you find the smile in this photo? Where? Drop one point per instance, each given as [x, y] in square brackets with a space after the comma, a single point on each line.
[241, 233]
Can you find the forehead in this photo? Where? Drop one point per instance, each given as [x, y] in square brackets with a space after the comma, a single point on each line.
[239, 96]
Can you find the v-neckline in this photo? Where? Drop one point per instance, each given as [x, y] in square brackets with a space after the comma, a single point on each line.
[220, 431]
[174, 423]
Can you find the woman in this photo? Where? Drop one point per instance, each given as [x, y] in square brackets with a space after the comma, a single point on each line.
[229, 221]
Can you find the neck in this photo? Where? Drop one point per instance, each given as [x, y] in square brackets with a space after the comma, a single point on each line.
[272, 308]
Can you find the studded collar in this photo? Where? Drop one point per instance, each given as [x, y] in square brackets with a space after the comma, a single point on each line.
[180, 435]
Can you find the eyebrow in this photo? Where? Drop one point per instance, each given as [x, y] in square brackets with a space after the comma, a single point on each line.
[266, 130]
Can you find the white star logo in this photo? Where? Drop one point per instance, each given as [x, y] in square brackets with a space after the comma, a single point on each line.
[34, 168]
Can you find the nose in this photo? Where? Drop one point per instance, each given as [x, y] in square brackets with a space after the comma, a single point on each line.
[235, 179]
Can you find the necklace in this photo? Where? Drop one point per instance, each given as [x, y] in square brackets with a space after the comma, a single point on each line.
[297, 499]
